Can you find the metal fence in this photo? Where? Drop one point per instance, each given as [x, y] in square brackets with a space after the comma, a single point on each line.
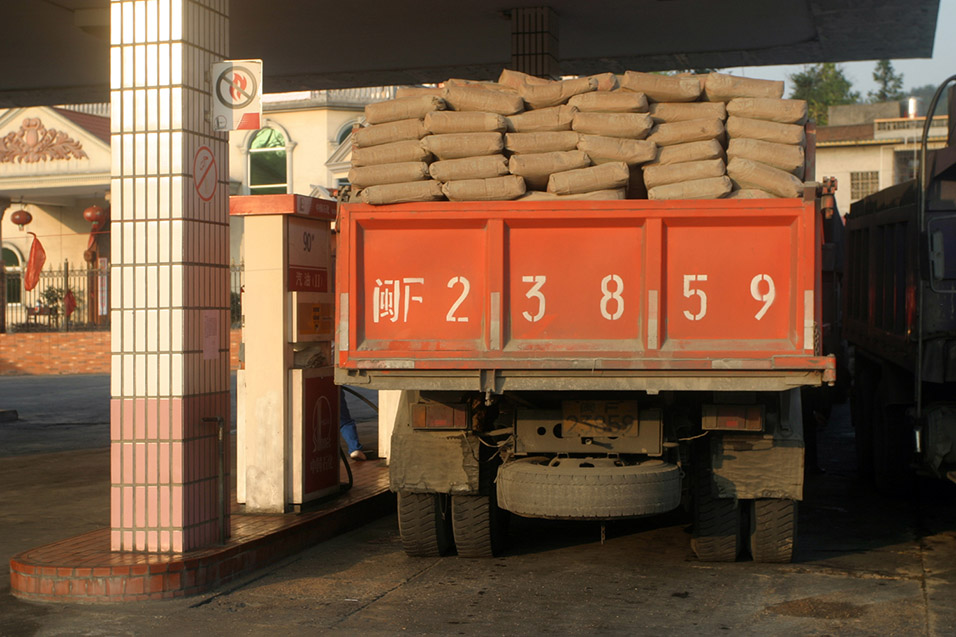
[44, 308]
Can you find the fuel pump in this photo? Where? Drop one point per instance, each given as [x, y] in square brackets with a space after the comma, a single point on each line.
[288, 410]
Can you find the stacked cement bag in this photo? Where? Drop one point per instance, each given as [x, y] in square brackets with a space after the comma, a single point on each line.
[688, 134]
[468, 142]
[636, 135]
[389, 164]
[540, 140]
[766, 140]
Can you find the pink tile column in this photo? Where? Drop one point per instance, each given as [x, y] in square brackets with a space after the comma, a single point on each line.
[170, 291]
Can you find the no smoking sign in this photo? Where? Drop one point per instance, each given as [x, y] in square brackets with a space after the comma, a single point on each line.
[205, 173]
[237, 93]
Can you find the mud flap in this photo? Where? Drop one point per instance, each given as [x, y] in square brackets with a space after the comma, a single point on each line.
[431, 461]
[767, 465]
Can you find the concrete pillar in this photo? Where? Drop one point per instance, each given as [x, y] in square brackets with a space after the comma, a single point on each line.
[534, 41]
[170, 275]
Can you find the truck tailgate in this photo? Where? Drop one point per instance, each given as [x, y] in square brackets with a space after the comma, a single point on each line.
[587, 288]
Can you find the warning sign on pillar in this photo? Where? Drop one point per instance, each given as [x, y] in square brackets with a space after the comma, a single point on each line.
[205, 173]
[237, 95]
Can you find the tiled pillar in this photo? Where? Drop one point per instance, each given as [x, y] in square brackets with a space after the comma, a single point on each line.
[170, 276]
[534, 41]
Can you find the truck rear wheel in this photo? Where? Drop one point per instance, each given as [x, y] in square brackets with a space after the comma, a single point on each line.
[717, 536]
[773, 530]
[424, 524]
[717, 521]
[478, 525]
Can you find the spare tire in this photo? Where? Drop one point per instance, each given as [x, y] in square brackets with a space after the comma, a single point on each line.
[588, 488]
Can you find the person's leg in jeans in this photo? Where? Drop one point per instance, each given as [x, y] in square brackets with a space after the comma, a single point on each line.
[348, 429]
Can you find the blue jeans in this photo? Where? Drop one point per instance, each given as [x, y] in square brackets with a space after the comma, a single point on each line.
[347, 424]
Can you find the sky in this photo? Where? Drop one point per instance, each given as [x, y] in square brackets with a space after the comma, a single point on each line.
[915, 73]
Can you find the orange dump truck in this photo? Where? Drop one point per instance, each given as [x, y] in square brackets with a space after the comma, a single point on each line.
[591, 360]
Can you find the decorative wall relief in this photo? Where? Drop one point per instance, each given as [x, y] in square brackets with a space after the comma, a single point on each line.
[34, 142]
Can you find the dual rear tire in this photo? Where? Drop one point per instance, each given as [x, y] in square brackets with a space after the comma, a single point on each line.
[723, 525]
[432, 524]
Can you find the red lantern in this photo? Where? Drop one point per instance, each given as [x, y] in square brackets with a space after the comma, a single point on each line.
[21, 218]
[93, 214]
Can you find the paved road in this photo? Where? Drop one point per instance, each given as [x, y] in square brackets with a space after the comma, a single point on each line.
[63, 413]
[866, 565]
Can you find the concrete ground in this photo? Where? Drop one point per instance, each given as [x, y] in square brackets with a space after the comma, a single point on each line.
[865, 565]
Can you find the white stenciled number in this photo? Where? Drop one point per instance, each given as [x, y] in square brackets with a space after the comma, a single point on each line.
[612, 296]
[690, 290]
[535, 293]
[465, 288]
[765, 297]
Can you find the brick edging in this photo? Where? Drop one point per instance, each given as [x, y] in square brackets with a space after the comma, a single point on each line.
[177, 576]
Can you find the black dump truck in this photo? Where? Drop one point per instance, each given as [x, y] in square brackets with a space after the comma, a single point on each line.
[899, 320]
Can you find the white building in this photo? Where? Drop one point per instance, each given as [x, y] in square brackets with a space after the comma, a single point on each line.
[869, 156]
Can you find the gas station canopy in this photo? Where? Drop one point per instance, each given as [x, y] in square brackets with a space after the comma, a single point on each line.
[57, 51]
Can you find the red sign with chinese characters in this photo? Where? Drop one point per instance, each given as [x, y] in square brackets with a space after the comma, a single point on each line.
[303, 279]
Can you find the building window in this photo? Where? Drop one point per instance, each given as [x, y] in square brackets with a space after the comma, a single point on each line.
[907, 164]
[864, 183]
[268, 163]
[14, 267]
[344, 133]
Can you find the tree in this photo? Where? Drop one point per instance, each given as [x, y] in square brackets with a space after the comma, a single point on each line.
[822, 86]
[889, 83]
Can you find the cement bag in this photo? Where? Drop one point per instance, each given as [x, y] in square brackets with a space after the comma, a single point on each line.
[655, 176]
[458, 145]
[401, 193]
[616, 102]
[683, 111]
[491, 86]
[752, 174]
[555, 93]
[629, 125]
[723, 88]
[595, 195]
[443, 122]
[418, 91]
[662, 88]
[403, 108]
[603, 149]
[788, 157]
[402, 130]
[783, 111]
[537, 167]
[604, 177]
[470, 98]
[692, 130]
[469, 168]
[362, 177]
[515, 79]
[767, 131]
[712, 188]
[751, 193]
[494, 189]
[543, 119]
[691, 151]
[605, 81]
[544, 142]
[393, 153]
